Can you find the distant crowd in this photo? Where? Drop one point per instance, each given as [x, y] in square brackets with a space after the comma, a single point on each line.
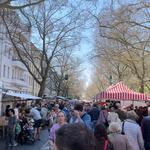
[80, 126]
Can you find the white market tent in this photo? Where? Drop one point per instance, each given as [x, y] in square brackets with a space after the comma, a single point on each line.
[22, 96]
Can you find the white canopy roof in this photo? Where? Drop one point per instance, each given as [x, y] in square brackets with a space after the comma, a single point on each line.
[22, 95]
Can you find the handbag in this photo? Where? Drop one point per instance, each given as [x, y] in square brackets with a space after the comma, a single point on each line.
[122, 131]
[105, 144]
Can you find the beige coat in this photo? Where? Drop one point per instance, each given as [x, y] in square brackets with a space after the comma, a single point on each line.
[119, 141]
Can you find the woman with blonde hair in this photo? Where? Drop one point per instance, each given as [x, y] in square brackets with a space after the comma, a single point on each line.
[133, 131]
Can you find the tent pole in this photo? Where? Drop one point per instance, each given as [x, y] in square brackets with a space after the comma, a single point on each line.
[133, 104]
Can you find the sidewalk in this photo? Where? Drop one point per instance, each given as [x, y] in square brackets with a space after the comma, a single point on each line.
[36, 146]
[45, 146]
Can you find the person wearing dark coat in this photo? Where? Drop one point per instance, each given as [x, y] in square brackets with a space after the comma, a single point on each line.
[7, 111]
[101, 139]
[94, 113]
[146, 131]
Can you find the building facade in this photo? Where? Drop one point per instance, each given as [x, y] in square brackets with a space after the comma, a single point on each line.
[13, 73]
[14, 76]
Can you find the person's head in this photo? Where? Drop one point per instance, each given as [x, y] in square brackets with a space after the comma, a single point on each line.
[100, 132]
[32, 105]
[112, 108]
[61, 118]
[118, 106]
[74, 137]
[56, 106]
[11, 112]
[8, 106]
[95, 105]
[79, 108]
[132, 115]
[114, 127]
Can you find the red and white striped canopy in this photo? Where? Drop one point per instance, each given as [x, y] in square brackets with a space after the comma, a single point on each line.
[120, 91]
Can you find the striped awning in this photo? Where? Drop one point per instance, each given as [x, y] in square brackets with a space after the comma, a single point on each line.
[120, 91]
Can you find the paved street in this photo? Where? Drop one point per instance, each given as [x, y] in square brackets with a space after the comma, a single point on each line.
[38, 145]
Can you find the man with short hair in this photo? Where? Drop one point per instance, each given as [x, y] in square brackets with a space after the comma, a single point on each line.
[82, 116]
[37, 122]
[10, 135]
[94, 113]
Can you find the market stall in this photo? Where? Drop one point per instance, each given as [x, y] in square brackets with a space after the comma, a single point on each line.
[120, 92]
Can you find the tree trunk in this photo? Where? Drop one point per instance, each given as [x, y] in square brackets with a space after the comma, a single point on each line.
[142, 87]
[42, 88]
[58, 89]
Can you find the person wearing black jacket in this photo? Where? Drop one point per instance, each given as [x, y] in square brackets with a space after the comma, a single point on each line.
[94, 113]
[146, 130]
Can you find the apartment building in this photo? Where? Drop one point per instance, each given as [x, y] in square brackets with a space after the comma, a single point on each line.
[14, 76]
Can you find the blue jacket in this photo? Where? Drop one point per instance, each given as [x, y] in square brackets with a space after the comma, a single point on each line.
[86, 120]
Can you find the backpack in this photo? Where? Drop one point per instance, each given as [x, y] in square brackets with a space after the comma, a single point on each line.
[18, 128]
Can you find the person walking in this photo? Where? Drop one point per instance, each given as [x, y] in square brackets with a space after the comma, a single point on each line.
[10, 134]
[82, 116]
[94, 113]
[101, 138]
[146, 130]
[74, 137]
[61, 120]
[119, 141]
[37, 122]
[133, 131]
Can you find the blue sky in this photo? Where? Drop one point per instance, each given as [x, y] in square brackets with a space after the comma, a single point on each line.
[86, 47]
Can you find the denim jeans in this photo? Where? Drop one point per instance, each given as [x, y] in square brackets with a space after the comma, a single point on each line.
[10, 138]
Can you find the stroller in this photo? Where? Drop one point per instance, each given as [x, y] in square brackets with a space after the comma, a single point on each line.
[27, 133]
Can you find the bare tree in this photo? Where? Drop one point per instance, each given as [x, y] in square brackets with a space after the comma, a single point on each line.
[49, 30]
[54, 27]
[59, 75]
[25, 3]
[126, 27]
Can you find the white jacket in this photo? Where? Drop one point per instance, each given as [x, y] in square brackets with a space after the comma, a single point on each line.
[133, 132]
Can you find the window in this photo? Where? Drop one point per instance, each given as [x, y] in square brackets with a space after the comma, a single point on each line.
[5, 50]
[9, 53]
[8, 71]
[4, 70]
[13, 73]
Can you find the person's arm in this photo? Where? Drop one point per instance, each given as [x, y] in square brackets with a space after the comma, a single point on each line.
[76, 113]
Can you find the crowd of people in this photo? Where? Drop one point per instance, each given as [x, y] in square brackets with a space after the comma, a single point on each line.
[80, 126]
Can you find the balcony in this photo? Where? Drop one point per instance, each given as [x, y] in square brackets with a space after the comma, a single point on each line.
[20, 82]
[19, 64]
